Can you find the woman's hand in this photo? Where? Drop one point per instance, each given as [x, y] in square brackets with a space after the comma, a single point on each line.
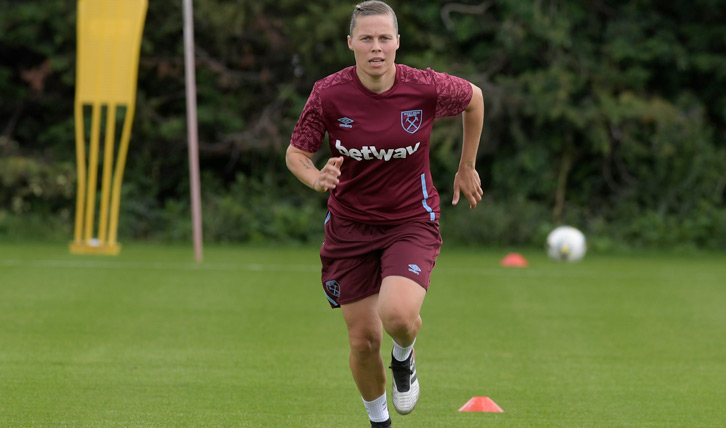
[467, 181]
[328, 176]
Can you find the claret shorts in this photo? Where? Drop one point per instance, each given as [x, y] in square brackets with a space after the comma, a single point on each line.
[356, 256]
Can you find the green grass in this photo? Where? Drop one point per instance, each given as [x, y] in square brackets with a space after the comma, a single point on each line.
[247, 339]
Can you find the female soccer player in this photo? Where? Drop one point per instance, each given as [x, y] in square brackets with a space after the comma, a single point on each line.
[382, 231]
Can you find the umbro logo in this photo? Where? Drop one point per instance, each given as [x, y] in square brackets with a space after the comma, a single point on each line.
[414, 268]
[345, 122]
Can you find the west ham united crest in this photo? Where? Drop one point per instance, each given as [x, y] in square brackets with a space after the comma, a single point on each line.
[333, 288]
[411, 120]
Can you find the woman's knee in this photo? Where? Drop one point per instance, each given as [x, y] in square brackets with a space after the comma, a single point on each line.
[365, 343]
[399, 303]
[401, 323]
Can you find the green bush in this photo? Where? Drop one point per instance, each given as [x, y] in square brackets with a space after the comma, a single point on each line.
[515, 222]
[250, 212]
[606, 117]
[33, 185]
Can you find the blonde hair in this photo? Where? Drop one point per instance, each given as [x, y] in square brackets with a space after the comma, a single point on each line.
[372, 7]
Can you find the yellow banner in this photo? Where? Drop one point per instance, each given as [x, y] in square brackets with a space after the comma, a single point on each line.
[109, 40]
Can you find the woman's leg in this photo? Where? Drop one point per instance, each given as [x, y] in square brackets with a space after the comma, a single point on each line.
[399, 304]
[364, 335]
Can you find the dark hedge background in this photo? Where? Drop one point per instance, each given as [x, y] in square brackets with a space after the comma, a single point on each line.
[606, 115]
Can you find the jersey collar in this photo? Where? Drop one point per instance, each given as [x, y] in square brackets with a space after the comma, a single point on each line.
[373, 94]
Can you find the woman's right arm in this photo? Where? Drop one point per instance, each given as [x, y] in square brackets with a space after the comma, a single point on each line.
[300, 163]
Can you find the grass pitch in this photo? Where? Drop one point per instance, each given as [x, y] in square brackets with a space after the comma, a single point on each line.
[247, 339]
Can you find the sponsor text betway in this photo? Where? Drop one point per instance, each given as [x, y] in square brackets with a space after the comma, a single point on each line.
[371, 153]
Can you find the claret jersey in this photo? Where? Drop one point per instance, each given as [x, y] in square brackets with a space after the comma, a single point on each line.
[384, 139]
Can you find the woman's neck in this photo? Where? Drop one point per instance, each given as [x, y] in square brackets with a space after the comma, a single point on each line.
[377, 84]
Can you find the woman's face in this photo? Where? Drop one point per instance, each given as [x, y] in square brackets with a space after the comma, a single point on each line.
[374, 42]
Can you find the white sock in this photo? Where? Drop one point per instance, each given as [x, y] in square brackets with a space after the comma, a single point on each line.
[377, 409]
[400, 353]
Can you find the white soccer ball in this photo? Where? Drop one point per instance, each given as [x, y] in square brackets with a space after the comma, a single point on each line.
[566, 243]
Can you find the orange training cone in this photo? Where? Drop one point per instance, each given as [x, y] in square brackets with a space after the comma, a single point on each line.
[514, 260]
[481, 404]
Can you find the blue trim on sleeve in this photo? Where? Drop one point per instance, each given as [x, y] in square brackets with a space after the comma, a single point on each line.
[426, 196]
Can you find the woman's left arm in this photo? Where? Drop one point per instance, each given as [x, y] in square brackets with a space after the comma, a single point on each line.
[467, 180]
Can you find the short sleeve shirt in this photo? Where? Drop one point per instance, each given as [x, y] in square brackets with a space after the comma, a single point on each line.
[384, 139]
